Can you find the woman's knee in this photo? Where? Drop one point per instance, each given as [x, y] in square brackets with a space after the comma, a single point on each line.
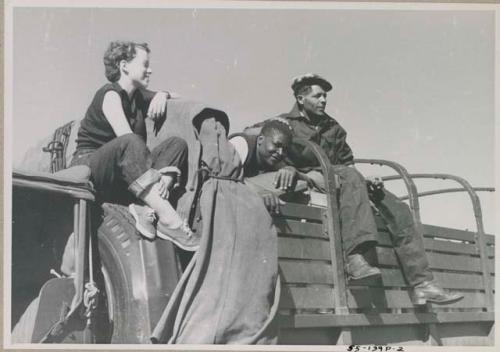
[131, 141]
[173, 151]
[131, 138]
[177, 144]
[172, 146]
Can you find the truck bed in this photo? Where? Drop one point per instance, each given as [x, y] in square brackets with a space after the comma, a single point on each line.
[376, 309]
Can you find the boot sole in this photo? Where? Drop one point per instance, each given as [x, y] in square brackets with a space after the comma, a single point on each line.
[449, 301]
[423, 301]
[143, 231]
[357, 278]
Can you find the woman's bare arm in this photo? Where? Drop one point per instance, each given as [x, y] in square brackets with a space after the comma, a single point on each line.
[113, 110]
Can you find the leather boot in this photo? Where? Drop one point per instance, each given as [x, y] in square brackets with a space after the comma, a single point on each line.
[358, 268]
[429, 291]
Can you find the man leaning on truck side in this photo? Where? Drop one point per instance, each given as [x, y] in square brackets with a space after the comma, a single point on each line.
[309, 121]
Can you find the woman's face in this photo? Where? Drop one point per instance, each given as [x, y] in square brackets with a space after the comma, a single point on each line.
[138, 69]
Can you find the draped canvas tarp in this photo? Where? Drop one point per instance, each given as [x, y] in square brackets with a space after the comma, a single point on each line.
[229, 292]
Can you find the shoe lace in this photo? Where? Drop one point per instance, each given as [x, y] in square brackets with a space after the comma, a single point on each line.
[150, 214]
[185, 227]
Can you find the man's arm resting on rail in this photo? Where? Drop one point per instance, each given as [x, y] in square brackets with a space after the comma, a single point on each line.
[287, 176]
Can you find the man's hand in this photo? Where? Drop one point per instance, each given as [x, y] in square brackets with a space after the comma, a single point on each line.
[375, 187]
[158, 105]
[286, 178]
[272, 202]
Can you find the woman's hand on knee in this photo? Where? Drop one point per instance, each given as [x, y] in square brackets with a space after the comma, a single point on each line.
[163, 189]
[167, 183]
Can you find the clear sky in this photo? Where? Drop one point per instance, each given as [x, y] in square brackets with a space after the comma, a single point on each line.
[416, 87]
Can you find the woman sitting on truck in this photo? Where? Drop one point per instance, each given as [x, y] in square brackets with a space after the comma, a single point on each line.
[112, 143]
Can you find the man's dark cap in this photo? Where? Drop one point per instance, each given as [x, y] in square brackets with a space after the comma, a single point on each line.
[310, 79]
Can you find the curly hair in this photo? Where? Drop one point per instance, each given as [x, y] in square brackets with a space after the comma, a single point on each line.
[277, 125]
[116, 52]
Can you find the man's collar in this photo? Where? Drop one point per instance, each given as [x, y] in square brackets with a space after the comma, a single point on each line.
[296, 114]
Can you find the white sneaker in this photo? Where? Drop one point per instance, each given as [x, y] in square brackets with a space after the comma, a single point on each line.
[182, 236]
[145, 220]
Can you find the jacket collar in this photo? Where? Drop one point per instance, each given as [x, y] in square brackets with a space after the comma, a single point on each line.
[296, 114]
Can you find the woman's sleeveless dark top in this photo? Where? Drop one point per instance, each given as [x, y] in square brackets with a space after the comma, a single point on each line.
[95, 130]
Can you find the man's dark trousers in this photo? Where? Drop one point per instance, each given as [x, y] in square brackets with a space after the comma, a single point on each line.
[359, 229]
[406, 237]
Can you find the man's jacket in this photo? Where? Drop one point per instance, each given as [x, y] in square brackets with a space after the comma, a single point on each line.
[328, 133]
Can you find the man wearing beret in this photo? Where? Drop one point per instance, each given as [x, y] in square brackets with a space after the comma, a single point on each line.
[309, 121]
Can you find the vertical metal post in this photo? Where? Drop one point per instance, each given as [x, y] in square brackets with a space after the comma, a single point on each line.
[80, 210]
[333, 229]
[479, 237]
[85, 275]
